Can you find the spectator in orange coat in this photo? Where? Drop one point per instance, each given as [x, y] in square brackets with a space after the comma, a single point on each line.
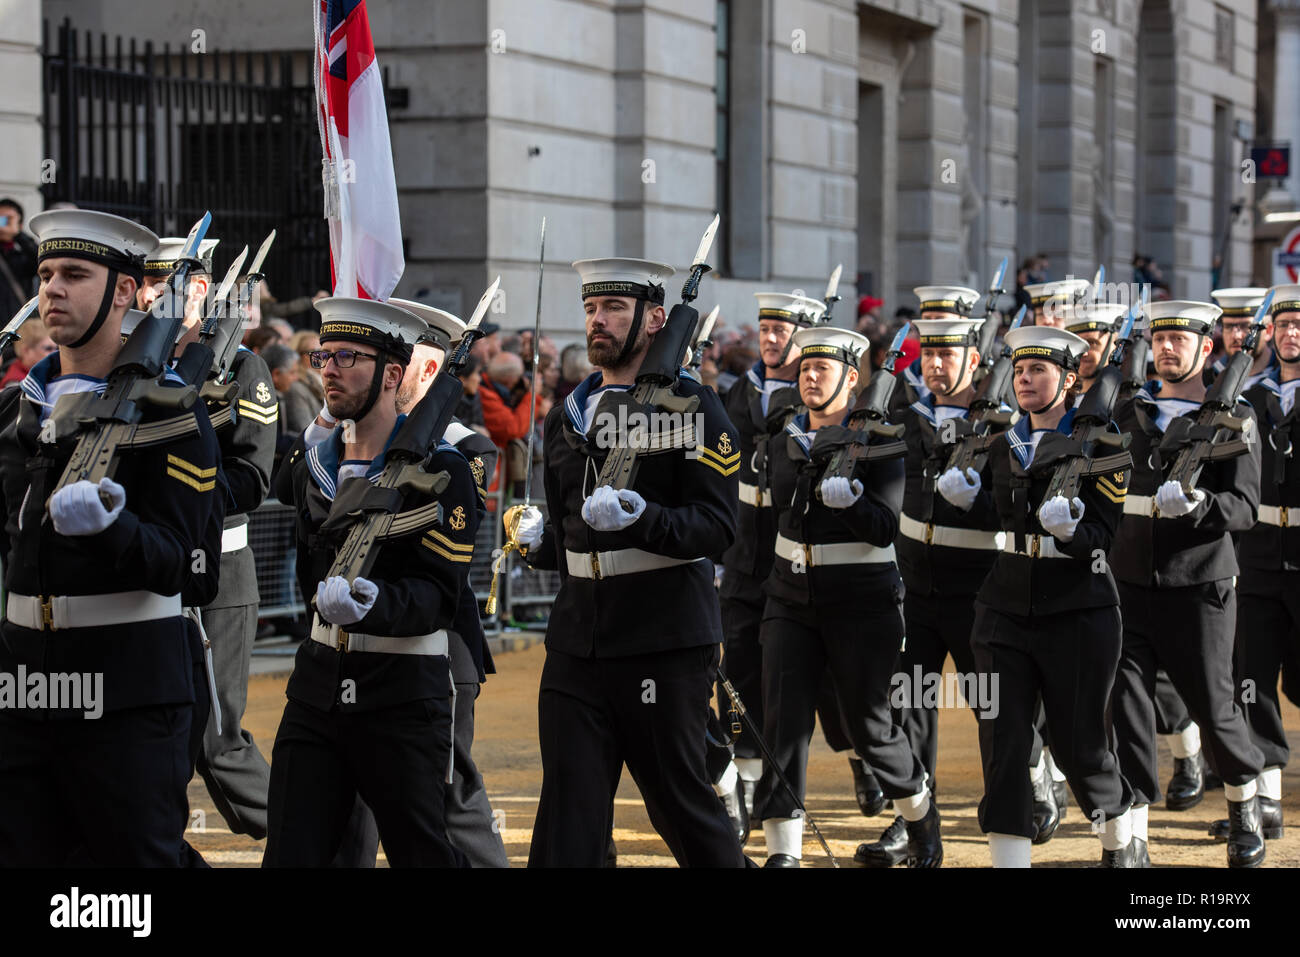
[506, 401]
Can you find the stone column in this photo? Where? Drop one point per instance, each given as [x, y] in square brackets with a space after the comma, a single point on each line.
[1286, 85]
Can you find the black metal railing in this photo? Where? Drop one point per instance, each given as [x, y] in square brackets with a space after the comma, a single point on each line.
[159, 137]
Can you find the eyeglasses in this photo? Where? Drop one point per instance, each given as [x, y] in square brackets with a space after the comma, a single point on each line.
[1281, 326]
[343, 358]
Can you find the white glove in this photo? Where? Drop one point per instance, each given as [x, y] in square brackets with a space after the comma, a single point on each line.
[336, 605]
[603, 509]
[528, 532]
[77, 509]
[1055, 517]
[1173, 502]
[960, 490]
[837, 493]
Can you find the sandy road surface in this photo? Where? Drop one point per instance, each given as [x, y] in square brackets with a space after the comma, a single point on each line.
[505, 748]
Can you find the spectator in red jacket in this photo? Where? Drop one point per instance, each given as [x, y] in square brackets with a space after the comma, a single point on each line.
[506, 400]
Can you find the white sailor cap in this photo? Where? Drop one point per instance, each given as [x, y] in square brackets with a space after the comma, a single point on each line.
[638, 278]
[936, 333]
[1181, 314]
[368, 321]
[130, 321]
[1286, 298]
[444, 330]
[103, 238]
[1068, 291]
[1046, 342]
[162, 260]
[1094, 316]
[800, 310]
[958, 300]
[828, 342]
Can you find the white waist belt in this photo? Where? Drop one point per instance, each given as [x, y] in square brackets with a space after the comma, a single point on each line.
[90, 611]
[1275, 515]
[332, 636]
[932, 534]
[752, 495]
[842, 553]
[1140, 505]
[235, 538]
[1038, 546]
[624, 561]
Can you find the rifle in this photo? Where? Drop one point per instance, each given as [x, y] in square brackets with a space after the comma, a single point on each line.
[974, 435]
[225, 341]
[10, 332]
[832, 294]
[1091, 427]
[1135, 359]
[851, 441]
[989, 331]
[108, 424]
[703, 340]
[371, 512]
[1209, 437]
[653, 390]
[196, 361]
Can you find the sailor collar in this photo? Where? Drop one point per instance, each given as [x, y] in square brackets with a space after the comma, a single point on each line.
[575, 404]
[913, 377]
[1020, 436]
[324, 458]
[40, 376]
[758, 378]
[797, 428]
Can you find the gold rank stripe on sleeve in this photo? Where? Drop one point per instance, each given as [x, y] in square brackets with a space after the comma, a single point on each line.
[441, 545]
[724, 465]
[1111, 490]
[267, 415]
[201, 480]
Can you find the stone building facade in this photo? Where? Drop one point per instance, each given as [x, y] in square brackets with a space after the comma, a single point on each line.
[911, 140]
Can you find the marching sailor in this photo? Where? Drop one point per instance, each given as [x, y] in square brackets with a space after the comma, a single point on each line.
[1268, 589]
[758, 405]
[1046, 620]
[470, 826]
[1096, 324]
[834, 604]
[944, 552]
[937, 302]
[369, 710]
[627, 680]
[105, 568]
[1051, 301]
[1239, 307]
[232, 766]
[1174, 558]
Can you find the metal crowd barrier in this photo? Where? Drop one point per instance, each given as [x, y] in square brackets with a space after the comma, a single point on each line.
[271, 537]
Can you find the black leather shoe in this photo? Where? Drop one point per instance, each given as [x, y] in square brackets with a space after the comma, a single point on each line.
[1270, 819]
[891, 849]
[1187, 786]
[736, 812]
[871, 800]
[1061, 795]
[1141, 853]
[1126, 856]
[1047, 816]
[924, 849]
[781, 860]
[1212, 781]
[1245, 840]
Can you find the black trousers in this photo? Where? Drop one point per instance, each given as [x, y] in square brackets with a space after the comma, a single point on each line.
[743, 664]
[833, 720]
[396, 759]
[108, 792]
[1171, 712]
[1189, 632]
[1068, 659]
[230, 763]
[936, 627]
[858, 644]
[648, 711]
[1268, 632]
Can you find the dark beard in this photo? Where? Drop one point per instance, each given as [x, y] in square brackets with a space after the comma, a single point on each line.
[346, 406]
[405, 394]
[604, 355]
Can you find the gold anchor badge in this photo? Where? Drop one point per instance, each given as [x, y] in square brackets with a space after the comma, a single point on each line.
[457, 520]
[1119, 477]
[724, 444]
[263, 393]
